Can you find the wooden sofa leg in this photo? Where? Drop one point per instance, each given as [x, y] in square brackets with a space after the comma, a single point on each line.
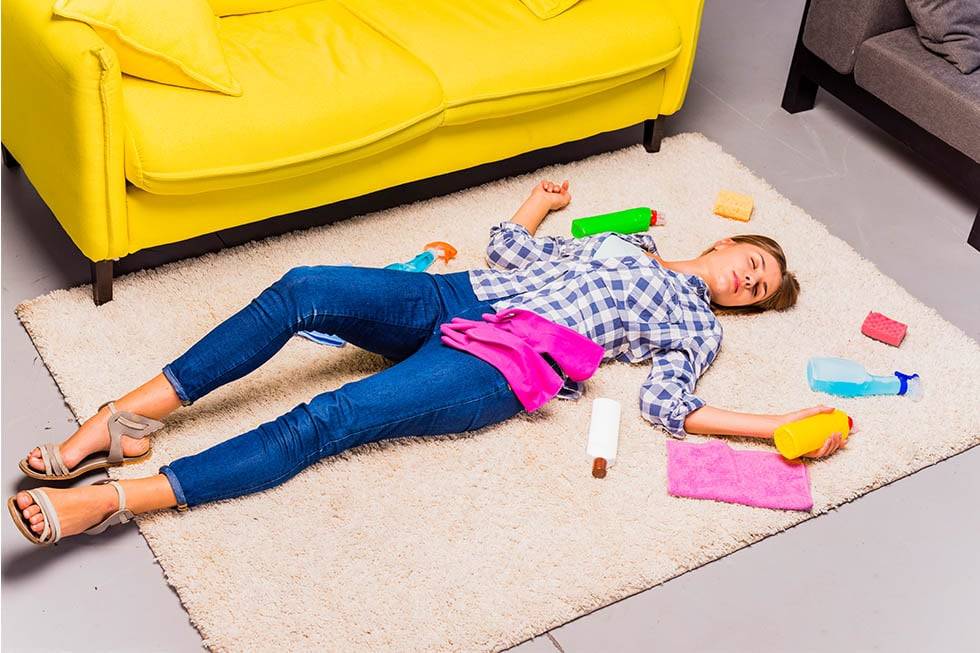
[800, 93]
[974, 238]
[8, 159]
[102, 281]
[653, 133]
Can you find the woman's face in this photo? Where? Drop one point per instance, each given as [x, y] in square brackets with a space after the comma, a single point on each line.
[740, 274]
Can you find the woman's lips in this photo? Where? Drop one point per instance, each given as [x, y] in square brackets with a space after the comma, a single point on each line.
[735, 278]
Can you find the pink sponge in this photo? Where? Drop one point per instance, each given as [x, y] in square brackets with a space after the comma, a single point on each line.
[883, 328]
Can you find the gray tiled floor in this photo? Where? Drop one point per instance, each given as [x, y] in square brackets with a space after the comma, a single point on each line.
[895, 570]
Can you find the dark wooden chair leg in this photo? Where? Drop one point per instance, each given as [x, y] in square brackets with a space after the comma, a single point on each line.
[102, 281]
[653, 133]
[800, 93]
[974, 238]
[8, 159]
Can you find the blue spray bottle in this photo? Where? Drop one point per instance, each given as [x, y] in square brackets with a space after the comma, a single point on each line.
[420, 263]
[846, 378]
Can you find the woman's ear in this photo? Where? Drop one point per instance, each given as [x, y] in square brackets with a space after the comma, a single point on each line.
[723, 243]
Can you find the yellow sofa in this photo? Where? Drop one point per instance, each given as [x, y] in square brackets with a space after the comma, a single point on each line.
[340, 98]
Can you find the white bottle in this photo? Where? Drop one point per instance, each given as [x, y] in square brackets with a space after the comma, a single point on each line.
[603, 435]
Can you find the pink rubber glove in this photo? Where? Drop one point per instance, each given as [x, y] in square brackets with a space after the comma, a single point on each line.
[577, 355]
[532, 380]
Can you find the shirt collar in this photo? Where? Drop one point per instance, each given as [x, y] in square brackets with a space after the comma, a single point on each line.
[692, 281]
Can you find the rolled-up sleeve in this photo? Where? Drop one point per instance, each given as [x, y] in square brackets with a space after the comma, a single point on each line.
[512, 246]
[667, 395]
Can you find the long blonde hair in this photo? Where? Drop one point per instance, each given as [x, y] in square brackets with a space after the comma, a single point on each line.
[789, 288]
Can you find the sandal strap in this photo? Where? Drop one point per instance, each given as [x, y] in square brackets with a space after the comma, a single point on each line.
[121, 516]
[54, 464]
[52, 525]
[133, 425]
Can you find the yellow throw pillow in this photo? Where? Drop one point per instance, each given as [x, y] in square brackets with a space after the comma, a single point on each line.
[548, 8]
[170, 41]
[236, 7]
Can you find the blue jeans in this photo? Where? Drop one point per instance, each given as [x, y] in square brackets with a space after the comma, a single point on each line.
[431, 389]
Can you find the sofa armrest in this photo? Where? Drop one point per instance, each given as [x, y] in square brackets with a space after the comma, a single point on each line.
[63, 122]
[687, 13]
[836, 28]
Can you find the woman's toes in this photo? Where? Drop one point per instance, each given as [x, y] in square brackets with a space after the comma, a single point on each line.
[31, 510]
[38, 527]
[34, 460]
[37, 519]
[23, 500]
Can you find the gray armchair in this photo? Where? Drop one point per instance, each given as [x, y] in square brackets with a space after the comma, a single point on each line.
[868, 54]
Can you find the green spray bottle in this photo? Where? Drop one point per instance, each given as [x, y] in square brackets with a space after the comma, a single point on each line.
[629, 221]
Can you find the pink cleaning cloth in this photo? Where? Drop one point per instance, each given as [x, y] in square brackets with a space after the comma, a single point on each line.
[713, 470]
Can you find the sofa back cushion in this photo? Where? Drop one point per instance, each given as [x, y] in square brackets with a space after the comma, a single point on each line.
[170, 41]
[548, 8]
[951, 29]
[238, 7]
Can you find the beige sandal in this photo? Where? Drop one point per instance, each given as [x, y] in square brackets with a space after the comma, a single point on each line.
[52, 525]
[120, 423]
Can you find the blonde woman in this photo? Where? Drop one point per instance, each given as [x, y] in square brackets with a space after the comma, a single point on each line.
[616, 290]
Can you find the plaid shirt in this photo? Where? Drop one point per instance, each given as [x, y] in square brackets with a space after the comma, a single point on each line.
[635, 308]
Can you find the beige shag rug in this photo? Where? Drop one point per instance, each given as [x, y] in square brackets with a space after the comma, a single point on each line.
[480, 541]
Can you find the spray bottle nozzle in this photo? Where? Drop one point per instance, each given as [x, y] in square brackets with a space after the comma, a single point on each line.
[442, 250]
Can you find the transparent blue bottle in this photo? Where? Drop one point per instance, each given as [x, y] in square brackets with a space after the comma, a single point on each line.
[846, 378]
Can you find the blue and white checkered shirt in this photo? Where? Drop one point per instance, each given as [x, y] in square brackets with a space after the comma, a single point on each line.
[632, 306]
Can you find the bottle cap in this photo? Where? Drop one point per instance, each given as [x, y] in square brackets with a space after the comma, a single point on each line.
[850, 423]
[657, 218]
[599, 468]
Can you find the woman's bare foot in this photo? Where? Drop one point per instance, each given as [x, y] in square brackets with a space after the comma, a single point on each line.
[78, 508]
[93, 436]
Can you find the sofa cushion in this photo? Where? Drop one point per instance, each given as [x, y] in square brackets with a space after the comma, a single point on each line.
[236, 7]
[319, 88]
[548, 8]
[896, 68]
[167, 41]
[495, 58]
[951, 29]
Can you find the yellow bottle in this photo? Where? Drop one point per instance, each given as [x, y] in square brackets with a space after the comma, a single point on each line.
[803, 436]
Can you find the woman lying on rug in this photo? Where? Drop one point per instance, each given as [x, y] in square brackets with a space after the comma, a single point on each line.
[635, 306]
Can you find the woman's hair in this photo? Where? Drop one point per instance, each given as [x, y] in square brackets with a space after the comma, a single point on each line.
[789, 288]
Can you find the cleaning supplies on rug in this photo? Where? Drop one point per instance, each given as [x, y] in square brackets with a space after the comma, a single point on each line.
[628, 221]
[847, 378]
[809, 434]
[735, 206]
[516, 341]
[884, 329]
[713, 470]
[422, 261]
[603, 440]
[419, 263]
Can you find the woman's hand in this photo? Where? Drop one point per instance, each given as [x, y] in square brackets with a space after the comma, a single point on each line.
[831, 444]
[553, 195]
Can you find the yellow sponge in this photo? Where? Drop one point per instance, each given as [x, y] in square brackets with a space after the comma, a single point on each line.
[733, 205]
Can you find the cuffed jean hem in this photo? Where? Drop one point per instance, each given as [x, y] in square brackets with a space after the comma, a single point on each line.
[178, 388]
[175, 485]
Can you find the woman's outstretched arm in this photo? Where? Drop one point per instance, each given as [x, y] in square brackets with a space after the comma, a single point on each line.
[709, 420]
[546, 197]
